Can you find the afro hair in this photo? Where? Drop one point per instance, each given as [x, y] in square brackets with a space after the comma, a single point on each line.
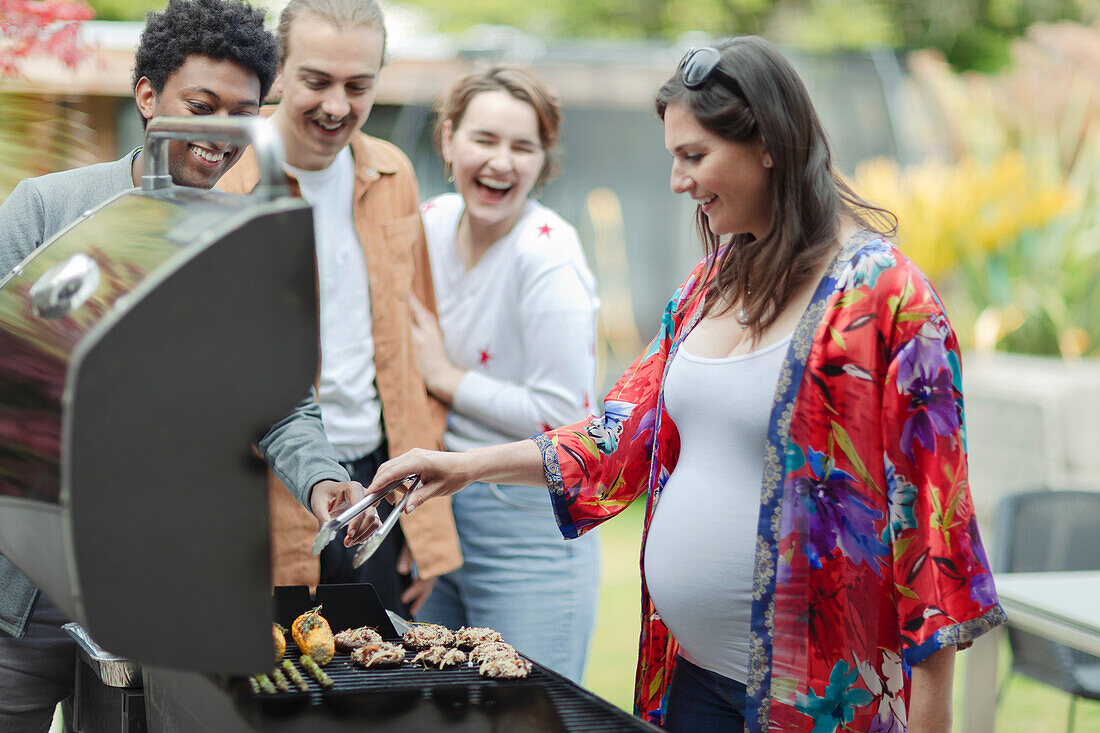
[220, 29]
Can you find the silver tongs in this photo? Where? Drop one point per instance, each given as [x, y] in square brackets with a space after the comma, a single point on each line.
[372, 543]
[330, 529]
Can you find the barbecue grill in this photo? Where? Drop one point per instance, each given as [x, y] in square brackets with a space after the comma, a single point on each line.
[142, 351]
[405, 698]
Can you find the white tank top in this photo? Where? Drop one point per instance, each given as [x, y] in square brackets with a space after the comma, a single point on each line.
[701, 545]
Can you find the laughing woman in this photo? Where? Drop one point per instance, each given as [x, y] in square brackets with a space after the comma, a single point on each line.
[811, 560]
[516, 355]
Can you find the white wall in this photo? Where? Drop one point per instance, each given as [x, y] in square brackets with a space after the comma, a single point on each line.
[1032, 422]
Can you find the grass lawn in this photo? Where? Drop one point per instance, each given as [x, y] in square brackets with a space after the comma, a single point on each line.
[1027, 707]
[614, 649]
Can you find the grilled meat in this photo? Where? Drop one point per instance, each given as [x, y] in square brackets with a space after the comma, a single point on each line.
[505, 666]
[350, 639]
[490, 649]
[469, 637]
[378, 654]
[440, 656]
[422, 636]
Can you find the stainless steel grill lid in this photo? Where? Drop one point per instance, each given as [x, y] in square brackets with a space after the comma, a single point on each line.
[141, 352]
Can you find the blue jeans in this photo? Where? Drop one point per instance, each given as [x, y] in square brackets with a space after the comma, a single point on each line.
[520, 576]
[701, 701]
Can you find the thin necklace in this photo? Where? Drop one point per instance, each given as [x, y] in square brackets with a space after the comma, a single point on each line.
[741, 317]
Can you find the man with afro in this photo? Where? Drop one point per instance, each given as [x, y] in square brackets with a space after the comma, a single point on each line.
[202, 57]
[197, 57]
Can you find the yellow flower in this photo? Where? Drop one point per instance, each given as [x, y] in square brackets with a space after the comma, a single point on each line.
[954, 213]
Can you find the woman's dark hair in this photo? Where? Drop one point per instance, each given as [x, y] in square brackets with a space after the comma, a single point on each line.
[807, 195]
[221, 29]
[520, 84]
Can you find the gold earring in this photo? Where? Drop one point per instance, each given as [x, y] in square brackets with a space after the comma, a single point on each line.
[450, 173]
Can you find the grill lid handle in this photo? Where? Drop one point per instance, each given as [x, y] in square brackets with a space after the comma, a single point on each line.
[64, 287]
[259, 131]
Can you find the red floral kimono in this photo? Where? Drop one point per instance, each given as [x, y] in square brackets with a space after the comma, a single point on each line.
[868, 556]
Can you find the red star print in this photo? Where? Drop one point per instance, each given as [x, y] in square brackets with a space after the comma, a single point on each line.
[587, 404]
[484, 356]
[544, 230]
[546, 428]
[427, 206]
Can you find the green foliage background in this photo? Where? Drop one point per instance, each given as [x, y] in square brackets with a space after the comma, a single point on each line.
[972, 34]
[125, 9]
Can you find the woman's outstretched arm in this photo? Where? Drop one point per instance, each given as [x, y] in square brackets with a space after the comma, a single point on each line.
[444, 473]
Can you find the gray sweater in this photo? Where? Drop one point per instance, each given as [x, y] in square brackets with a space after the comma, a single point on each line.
[296, 447]
[40, 207]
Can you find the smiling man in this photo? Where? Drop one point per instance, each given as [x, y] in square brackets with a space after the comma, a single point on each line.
[201, 86]
[198, 57]
[371, 257]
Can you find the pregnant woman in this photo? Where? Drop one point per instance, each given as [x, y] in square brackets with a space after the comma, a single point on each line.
[811, 560]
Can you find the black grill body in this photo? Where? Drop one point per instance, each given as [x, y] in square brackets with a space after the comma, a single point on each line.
[131, 495]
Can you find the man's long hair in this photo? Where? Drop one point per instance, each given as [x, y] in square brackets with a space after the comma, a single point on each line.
[340, 13]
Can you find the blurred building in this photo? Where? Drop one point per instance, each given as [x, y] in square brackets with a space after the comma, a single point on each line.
[615, 182]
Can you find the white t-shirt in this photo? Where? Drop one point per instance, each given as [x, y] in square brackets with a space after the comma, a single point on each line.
[350, 408]
[522, 321]
[701, 546]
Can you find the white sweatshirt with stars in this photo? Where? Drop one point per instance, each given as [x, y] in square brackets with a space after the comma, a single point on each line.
[521, 321]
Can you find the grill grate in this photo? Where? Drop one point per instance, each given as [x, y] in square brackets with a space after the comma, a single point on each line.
[458, 689]
[350, 677]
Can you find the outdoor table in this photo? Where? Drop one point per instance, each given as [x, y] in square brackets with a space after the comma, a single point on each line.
[1061, 606]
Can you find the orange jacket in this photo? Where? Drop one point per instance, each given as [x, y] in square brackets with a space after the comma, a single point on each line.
[387, 220]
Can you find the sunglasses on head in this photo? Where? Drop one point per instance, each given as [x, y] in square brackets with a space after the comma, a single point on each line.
[700, 65]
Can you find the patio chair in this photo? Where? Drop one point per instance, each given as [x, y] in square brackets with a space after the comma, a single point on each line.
[1047, 531]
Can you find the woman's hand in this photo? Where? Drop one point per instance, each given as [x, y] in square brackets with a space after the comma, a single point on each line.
[441, 474]
[441, 377]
